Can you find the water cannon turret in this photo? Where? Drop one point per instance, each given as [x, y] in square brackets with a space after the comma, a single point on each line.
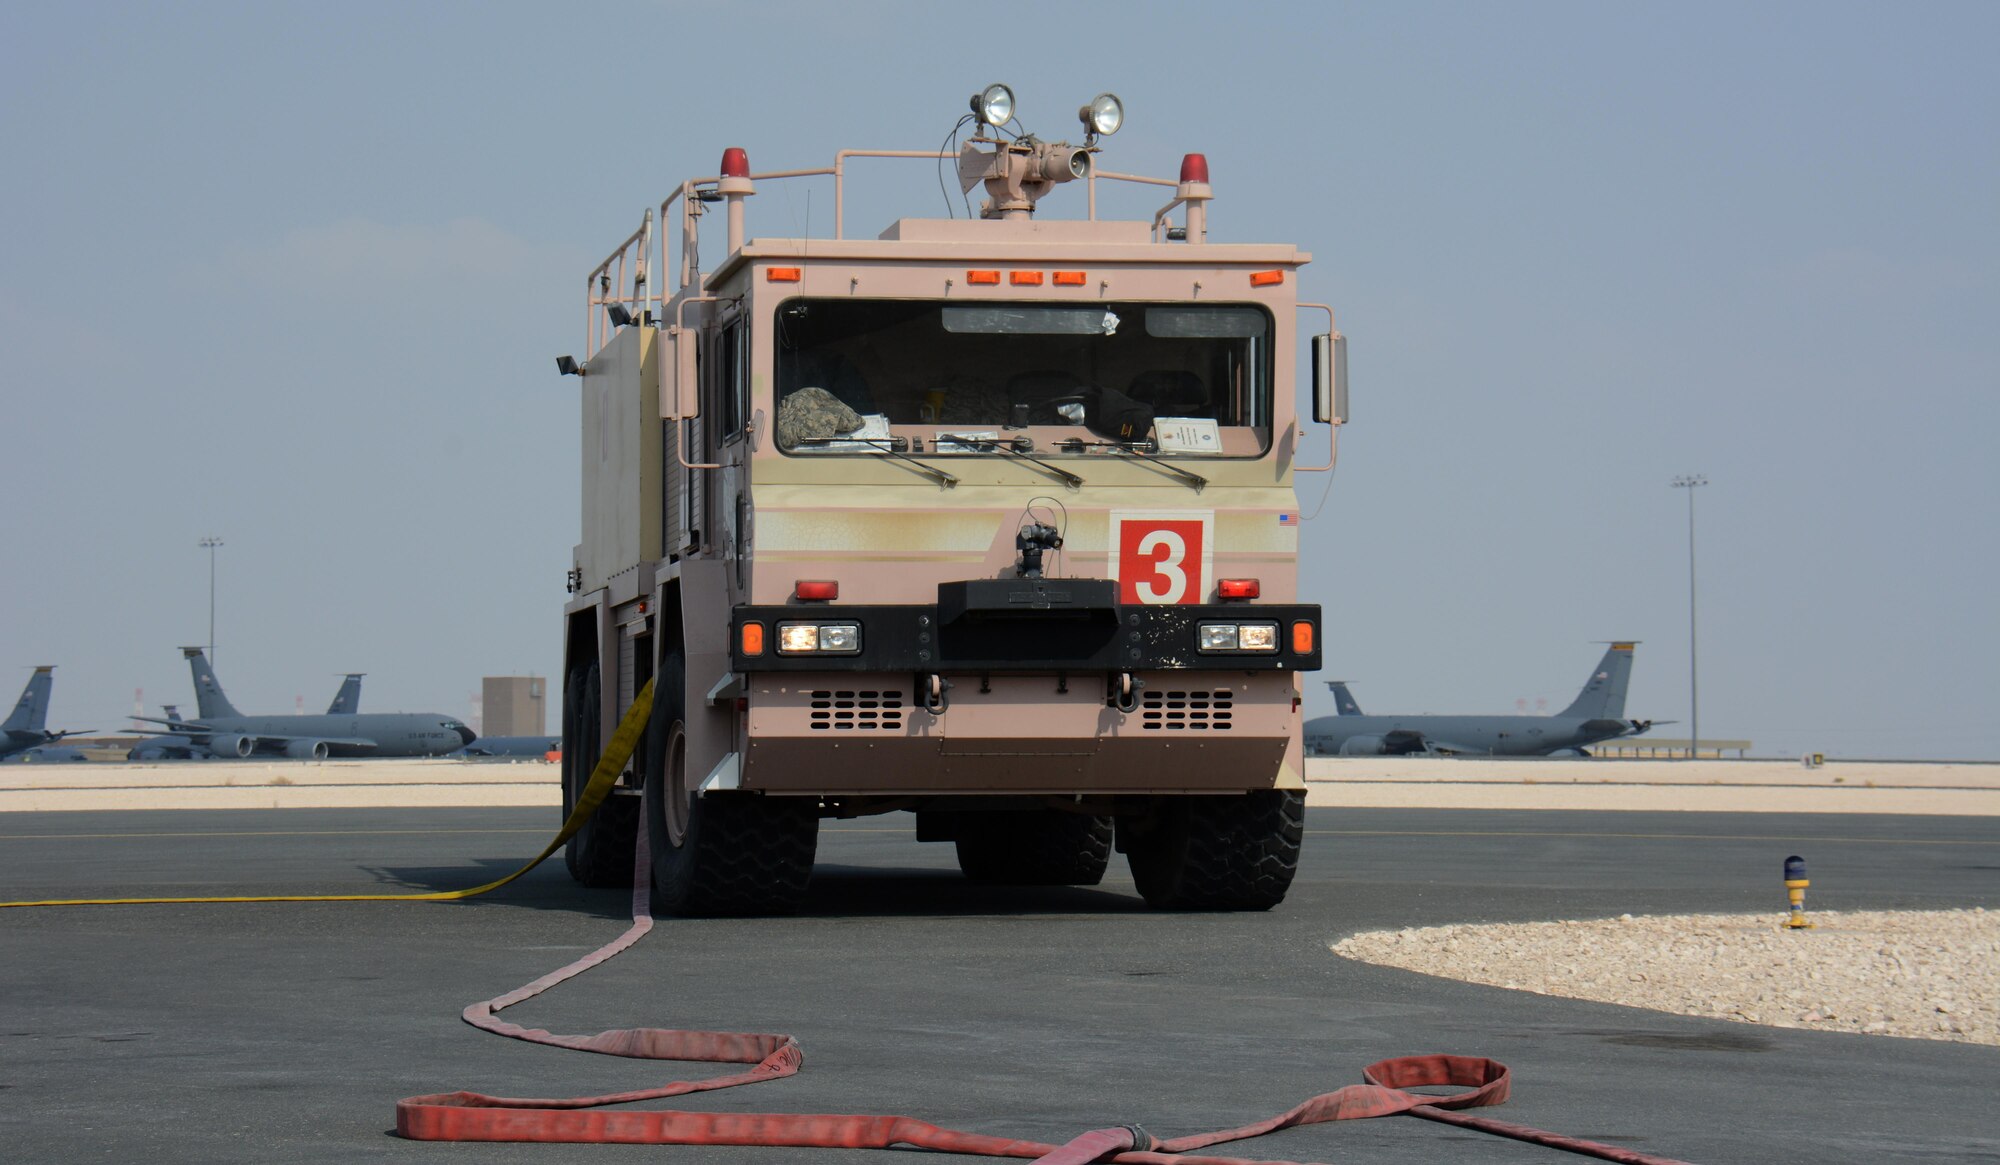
[1019, 172]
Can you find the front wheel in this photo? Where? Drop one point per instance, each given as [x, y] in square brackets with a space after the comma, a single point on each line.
[1230, 852]
[600, 853]
[726, 853]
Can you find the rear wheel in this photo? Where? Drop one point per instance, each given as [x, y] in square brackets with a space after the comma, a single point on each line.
[1035, 847]
[600, 853]
[1217, 852]
[727, 853]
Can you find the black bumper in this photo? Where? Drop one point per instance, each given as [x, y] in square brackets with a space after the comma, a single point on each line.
[1002, 625]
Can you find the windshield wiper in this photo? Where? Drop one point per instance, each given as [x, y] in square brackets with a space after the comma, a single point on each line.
[1143, 450]
[890, 448]
[984, 444]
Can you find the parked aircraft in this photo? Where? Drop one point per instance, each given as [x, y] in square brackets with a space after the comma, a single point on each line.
[225, 732]
[27, 726]
[1596, 714]
[515, 746]
[345, 701]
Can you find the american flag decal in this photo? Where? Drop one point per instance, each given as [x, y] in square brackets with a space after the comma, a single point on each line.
[1288, 519]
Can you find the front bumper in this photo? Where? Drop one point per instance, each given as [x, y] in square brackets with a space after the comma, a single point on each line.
[1030, 625]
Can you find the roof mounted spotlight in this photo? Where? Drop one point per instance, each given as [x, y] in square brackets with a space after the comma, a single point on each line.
[620, 315]
[1103, 116]
[568, 366]
[994, 105]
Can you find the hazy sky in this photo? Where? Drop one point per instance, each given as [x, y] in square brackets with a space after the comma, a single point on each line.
[294, 275]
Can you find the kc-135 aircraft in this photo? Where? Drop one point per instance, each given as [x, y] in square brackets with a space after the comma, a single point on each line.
[26, 726]
[223, 731]
[171, 747]
[1596, 714]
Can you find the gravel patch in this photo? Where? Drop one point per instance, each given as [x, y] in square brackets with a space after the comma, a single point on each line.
[1929, 974]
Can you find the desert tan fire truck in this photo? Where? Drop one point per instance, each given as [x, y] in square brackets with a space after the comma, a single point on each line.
[987, 519]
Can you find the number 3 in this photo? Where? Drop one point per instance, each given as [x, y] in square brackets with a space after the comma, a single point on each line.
[1171, 566]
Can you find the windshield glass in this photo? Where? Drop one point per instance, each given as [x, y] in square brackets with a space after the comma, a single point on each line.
[1177, 379]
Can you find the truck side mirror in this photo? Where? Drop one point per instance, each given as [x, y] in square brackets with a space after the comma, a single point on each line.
[1330, 378]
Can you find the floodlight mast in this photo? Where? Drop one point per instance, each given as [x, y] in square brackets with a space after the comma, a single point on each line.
[1690, 482]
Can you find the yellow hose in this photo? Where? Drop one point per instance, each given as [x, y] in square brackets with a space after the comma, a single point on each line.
[602, 778]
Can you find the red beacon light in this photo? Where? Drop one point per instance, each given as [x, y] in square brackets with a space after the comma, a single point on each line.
[1238, 588]
[1194, 168]
[735, 163]
[815, 590]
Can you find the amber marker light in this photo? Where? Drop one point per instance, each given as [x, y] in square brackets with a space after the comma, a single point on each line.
[1266, 278]
[1071, 278]
[1025, 278]
[1302, 638]
[781, 274]
[753, 639]
[982, 277]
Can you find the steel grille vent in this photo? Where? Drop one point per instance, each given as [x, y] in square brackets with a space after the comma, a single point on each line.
[846, 711]
[1197, 711]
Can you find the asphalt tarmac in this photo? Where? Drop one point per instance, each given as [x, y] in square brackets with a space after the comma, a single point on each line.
[278, 1032]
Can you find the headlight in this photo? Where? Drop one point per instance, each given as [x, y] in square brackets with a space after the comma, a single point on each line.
[1257, 636]
[1103, 115]
[994, 105]
[1216, 638]
[819, 638]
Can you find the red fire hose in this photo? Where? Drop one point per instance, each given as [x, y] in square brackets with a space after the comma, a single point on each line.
[472, 1116]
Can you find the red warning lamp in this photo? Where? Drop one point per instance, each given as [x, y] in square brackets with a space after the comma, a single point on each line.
[1194, 168]
[735, 163]
[820, 590]
[1238, 588]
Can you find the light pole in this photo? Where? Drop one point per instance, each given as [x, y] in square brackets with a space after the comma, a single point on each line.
[209, 544]
[1690, 482]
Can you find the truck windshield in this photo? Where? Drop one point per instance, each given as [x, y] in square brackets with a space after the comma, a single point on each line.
[1073, 379]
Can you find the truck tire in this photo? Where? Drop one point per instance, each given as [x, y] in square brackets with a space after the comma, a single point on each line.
[726, 853]
[599, 854]
[1036, 847]
[1234, 852]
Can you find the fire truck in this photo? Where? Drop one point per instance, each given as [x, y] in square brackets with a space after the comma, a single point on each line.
[988, 519]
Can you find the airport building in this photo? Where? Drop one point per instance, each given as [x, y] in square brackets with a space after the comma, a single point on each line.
[513, 706]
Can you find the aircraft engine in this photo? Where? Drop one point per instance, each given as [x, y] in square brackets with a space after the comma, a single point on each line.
[1363, 746]
[306, 749]
[228, 746]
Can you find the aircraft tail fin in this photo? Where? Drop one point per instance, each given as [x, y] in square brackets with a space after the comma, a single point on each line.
[347, 700]
[208, 698]
[31, 712]
[1603, 695]
[1343, 700]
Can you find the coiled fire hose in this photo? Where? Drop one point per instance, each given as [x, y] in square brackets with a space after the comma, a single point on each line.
[472, 1116]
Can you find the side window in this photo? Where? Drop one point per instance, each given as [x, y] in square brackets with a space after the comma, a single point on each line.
[732, 381]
